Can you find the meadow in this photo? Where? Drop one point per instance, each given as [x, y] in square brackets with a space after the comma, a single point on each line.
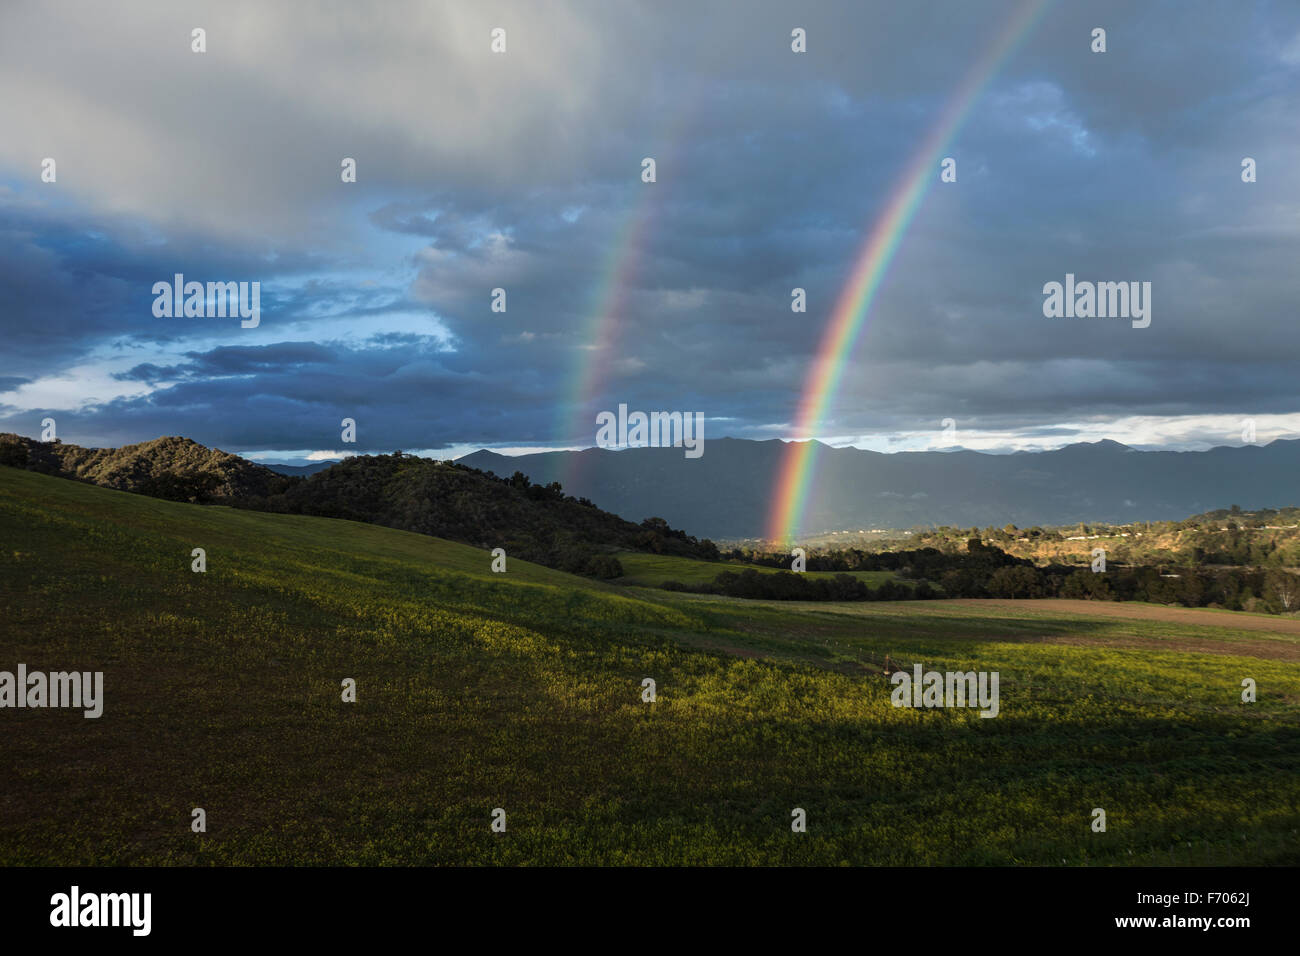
[523, 691]
[652, 570]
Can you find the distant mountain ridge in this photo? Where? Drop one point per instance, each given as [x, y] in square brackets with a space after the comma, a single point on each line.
[302, 470]
[728, 492]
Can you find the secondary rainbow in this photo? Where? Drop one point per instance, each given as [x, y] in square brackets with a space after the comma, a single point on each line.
[600, 335]
[618, 275]
[794, 477]
[616, 279]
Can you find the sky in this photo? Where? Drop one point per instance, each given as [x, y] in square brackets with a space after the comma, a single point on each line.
[522, 170]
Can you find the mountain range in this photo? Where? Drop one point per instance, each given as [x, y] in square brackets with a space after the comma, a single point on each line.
[728, 492]
[302, 470]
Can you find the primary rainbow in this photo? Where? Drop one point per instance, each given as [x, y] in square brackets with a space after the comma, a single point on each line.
[855, 299]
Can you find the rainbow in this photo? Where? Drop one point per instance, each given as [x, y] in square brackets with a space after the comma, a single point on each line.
[618, 272]
[599, 333]
[794, 477]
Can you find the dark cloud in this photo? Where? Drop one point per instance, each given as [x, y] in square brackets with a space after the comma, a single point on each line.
[522, 172]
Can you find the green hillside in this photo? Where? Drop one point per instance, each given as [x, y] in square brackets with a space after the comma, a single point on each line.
[522, 691]
[441, 498]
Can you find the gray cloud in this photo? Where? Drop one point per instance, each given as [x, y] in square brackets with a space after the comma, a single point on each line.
[522, 171]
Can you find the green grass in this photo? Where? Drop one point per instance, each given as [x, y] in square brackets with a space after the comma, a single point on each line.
[523, 691]
[652, 570]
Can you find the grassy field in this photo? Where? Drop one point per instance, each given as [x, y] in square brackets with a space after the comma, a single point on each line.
[652, 570]
[523, 691]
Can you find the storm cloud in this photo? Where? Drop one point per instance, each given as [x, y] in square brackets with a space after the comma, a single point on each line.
[522, 170]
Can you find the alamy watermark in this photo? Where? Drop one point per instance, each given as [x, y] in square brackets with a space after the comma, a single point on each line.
[75, 908]
[655, 430]
[215, 300]
[57, 689]
[949, 689]
[1102, 300]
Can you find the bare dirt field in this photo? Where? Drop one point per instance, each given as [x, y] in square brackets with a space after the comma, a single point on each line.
[1145, 612]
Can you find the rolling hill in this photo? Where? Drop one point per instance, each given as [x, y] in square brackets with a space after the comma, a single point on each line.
[171, 467]
[530, 521]
[523, 691]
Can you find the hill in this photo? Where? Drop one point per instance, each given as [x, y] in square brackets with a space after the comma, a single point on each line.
[523, 691]
[530, 521]
[536, 522]
[728, 492]
[171, 467]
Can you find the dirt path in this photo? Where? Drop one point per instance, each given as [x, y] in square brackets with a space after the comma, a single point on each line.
[1142, 612]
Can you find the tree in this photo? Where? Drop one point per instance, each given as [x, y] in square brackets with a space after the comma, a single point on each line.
[1284, 586]
[1086, 585]
[604, 566]
[961, 583]
[1013, 582]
